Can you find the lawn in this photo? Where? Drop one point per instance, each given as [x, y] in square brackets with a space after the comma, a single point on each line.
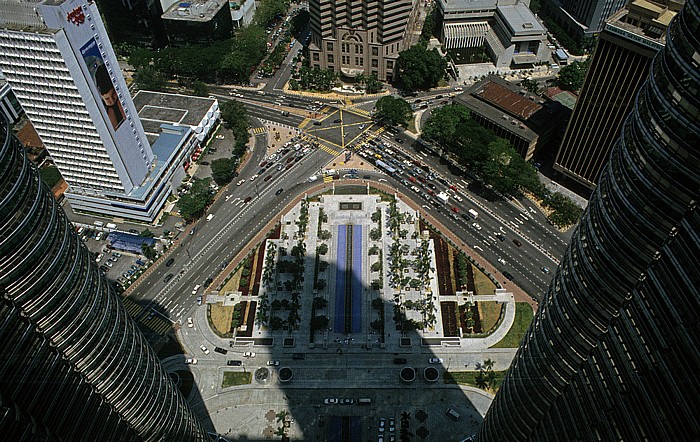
[232, 378]
[490, 312]
[523, 318]
[220, 317]
[482, 284]
[469, 378]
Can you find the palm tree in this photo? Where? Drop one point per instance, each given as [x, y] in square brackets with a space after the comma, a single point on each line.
[488, 364]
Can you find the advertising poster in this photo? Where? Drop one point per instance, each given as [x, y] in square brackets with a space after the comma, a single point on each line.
[103, 83]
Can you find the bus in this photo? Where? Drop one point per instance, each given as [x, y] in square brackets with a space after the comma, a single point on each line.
[385, 167]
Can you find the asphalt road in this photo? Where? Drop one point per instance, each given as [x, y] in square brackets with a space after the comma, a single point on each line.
[235, 222]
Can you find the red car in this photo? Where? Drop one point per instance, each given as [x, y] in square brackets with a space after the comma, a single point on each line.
[247, 200]
[267, 178]
[263, 164]
[412, 179]
[455, 210]
[453, 187]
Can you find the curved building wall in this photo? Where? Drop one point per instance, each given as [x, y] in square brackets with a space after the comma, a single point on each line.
[74, 366]
[612, 353]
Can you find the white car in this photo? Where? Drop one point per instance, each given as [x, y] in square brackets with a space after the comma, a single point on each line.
[458, 198]
[435, 361]
[330, 401]
[476, 226]
[190, 322]
[240, 182]
[191, 361]
[273, 363]
[382, 425]
[204, 349]
[249, 354]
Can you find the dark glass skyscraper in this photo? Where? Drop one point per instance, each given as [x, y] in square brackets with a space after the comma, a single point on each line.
[73, 365]
[613, 353]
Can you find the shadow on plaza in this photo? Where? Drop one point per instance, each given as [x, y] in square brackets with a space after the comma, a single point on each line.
[154, 322]
[349, 356]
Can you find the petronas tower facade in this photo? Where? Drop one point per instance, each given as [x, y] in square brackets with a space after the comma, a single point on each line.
[73, 365]
[613, 352]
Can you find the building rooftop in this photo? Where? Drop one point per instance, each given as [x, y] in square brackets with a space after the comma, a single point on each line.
[466, 5]
[156, 108]
[520, 19]
[642, 21]
[506, 97]
[20, 15]
[194, 10]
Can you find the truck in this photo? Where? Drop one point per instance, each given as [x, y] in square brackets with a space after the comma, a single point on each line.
[111, 226]
[442, 196]
[473, 213]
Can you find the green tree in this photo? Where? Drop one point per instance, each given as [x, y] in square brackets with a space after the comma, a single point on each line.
[418, 69]
[393, 111]
[148, 78]
[372, 84]
[193, 204]
[146, 233]
[444, 121]
[148, 251]
[319, 302]
[429, 25]
[200, 89]
[276, 323]
[321, 284]
[223, 170]
[571, 76]
[322, 249]
[530, 85]
[268, 10]
[319, 322]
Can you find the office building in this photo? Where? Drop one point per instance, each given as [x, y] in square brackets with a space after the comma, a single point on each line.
[74, 365]
[524, 119]
[354, 38]
[197, 21]
[511, 34]
[56, 56]
[583, 18]
[612, 353]
[619, 66]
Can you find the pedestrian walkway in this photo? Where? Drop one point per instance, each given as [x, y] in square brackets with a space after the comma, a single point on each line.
[259, 130]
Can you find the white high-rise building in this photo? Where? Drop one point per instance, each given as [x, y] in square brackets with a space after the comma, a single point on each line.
[58, 59]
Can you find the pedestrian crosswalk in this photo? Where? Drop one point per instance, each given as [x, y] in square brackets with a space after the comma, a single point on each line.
[327, 179]
[132, 308]
[259, 130]
[157, 324]
[327, 149]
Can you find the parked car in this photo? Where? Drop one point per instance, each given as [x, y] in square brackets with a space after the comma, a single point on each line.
[169, 262]
[191, 361]
[280, 190]
[204, 349]
[234, 363]
[273, 363]
[199, 300]
[435, 361]
[223, 351]
[330, 401]
[190, 322]
[249, 354]
[347, 401]
[167, 278]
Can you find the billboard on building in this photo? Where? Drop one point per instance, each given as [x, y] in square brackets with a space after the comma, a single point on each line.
[102, 82]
